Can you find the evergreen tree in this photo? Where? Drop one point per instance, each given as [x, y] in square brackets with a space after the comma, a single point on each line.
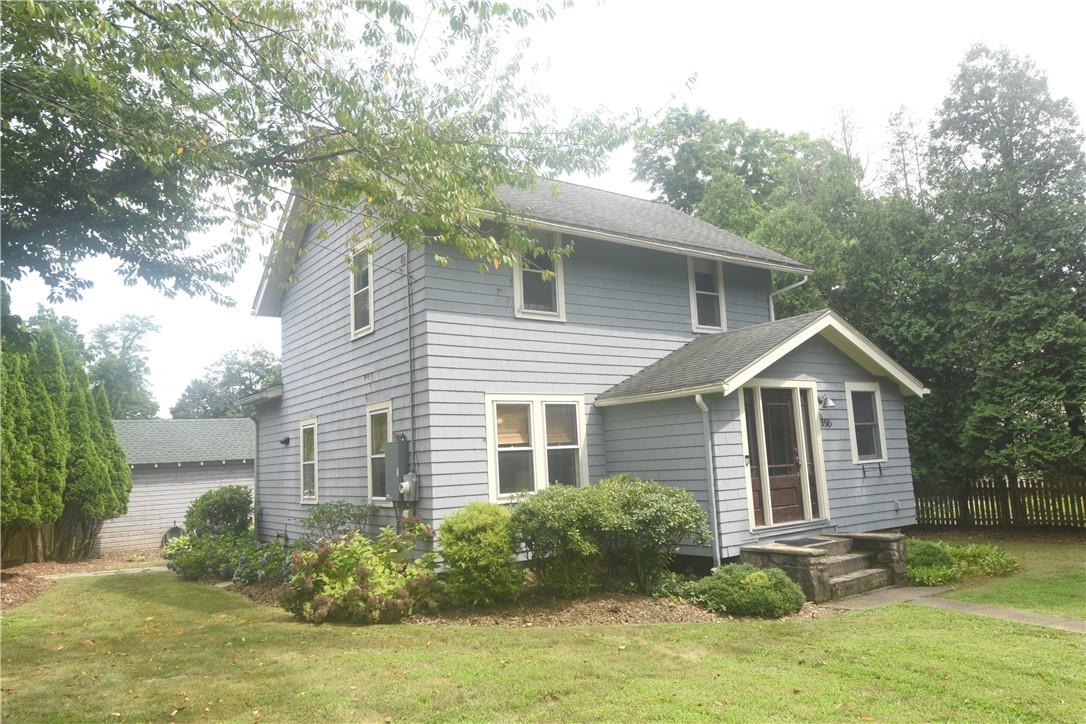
[120, 474]
[49, 445]
[88, 493]
[19, 472]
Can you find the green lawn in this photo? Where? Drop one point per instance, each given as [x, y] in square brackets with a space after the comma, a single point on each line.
[144, 647]
[1051, 576]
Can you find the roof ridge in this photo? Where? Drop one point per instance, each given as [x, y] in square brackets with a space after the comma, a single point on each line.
[613, 193]
[817, 313]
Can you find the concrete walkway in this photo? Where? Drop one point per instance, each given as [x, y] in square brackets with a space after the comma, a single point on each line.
[930, 597]
[110, 572]
[1074, 625]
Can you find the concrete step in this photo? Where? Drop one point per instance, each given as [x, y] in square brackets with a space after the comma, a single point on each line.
[861, 581]
[845, 563]
[834, 546]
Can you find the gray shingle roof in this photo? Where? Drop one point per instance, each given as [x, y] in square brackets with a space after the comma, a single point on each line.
[711, 359]
[181, 441]
[568, 204]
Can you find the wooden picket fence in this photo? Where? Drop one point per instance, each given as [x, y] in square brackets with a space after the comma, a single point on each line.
[1007, 503]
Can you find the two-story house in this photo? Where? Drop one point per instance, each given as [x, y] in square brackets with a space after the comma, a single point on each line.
[652, 350]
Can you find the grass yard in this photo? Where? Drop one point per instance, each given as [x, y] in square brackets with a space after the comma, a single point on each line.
[152, 647]
[1051, 576]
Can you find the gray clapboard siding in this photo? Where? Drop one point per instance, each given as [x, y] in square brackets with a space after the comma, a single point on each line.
[160, 496]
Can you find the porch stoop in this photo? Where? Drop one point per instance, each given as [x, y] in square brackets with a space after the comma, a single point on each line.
[835, 565]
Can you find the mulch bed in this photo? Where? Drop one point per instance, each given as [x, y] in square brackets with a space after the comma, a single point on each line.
[22, 582]
[532, 611]
[18, 588]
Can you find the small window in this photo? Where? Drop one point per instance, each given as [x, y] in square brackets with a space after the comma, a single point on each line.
[515, 454]
[706, 295]
[378, 433]
[539, 288]
[563, 448]
[534, 442]
[865, 422]
[361, 294]
[309, 461]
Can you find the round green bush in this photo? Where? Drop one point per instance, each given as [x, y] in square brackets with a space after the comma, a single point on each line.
[928, 554]
[228, 509]
[740, 589]
[477, 546]
[557, 527]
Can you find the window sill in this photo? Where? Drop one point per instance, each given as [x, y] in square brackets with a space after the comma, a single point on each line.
[870, 462]
[709, 330]
[542, 316]
[358, 334]
[308, 501]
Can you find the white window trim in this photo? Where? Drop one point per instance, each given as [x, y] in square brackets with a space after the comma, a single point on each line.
[310, 422]
[694, 297]
[537, 419]
[816, 442]
[356, 333]
[371, 410]
[881, 426]
[559, 291]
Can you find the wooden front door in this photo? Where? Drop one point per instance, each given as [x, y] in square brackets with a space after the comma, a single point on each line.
[782, 455]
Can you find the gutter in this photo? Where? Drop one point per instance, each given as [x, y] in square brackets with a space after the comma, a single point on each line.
[772, 310]
[710, 477]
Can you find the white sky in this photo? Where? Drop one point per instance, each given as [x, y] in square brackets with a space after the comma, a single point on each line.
[792, 66]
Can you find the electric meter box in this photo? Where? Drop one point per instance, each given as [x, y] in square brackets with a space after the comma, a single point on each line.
[397, 462]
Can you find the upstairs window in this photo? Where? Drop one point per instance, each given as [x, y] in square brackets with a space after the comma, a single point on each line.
[865, 422]
[379, 432]
[706, 279]
[361, 294]
[538, 283]
[533, 442]
[309, 461]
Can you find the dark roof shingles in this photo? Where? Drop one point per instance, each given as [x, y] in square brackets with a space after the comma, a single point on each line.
[592, 209]
[710, 359]
[181, 441]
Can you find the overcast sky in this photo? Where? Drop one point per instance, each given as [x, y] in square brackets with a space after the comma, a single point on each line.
[783, 65]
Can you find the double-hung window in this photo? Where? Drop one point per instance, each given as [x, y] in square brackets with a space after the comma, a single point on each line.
[361, 294]
[378, 433]
[533, 442]
[706, 279]
[538, 283]
[309, 460]
[866, 427]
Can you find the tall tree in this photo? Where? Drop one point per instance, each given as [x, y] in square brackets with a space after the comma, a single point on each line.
[232, 377]
[119, 363]
[1009, 177]
[120, 475]
[130, 126]
[19, 508]
[49, 443]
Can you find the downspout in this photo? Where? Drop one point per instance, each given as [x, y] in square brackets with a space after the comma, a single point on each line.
[710, 478]
[772, 309]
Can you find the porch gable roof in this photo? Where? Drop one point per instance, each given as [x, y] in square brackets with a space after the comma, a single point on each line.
[724, 362]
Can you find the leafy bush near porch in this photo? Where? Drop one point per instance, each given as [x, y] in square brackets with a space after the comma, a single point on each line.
[740, 589]
[477, 546]
[934, 563]
[623, 530]
[360, 580]
[228, 509]
[328, 519]
[231, 556]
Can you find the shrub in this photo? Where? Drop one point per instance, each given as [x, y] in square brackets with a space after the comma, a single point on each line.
[353, 578]
[740, 589]
[225, 510]
[209, 556]
[934, 563]
[983, 559]
[639, 525]
[328, 519]
[671, 584]
[477, 545]
[557, 528]
[266, 563]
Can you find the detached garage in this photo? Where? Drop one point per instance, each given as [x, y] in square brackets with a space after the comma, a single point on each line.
[173, 463]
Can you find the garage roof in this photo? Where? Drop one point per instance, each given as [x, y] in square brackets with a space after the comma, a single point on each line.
[182, 441]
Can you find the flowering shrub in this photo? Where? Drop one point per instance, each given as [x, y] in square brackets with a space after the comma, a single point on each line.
[227, 557]
[328, 519]
[740, 589]
[267, 563]
[356, 579]
[477, 546]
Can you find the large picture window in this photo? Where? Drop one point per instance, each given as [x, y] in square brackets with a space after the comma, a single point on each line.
[706, 278]
[538, 283]
[866, 427]
[308, 434]
[361, 294]
[534, 441]
[378, 433]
